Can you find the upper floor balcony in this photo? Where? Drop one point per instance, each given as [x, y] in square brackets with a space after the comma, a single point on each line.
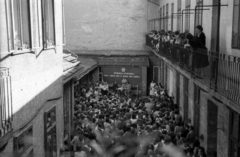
[220, 72]
[5, 107]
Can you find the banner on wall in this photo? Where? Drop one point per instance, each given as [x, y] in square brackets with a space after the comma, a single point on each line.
[131, 74]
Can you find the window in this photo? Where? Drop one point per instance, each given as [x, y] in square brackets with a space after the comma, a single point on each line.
[156, 73]
[167, 11]
[187, 16]
[18, 20]
[236, 25]
[50, 134]
[23, 144]
[199, 13]
[234, 132]
[185, 105]
[23, 25]
[179, 15]
[164, 18]
[161, 19]
[48, 23]
[172, 11]
[63, 20]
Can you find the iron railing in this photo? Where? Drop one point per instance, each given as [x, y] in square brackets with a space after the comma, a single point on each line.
[221, 74]
[5, 102]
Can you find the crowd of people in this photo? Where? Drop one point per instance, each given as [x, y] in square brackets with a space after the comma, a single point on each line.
[109, 124]
[185, 40]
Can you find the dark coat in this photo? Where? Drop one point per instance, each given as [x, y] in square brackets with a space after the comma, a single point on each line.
[200, 56]
[202, 38]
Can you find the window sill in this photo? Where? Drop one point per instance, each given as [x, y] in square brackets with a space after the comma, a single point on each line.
[236, 48]
[28, 151]
[49, 48]
[18, 52]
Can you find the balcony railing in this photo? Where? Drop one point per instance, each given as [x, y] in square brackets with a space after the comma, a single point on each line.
[221, 74]
[5, 106]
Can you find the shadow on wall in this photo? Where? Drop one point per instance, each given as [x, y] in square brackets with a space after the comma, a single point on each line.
[29, 123]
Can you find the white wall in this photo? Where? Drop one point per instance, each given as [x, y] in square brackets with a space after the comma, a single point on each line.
[107, 24]
[34, 80]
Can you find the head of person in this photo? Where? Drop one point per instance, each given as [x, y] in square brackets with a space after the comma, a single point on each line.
[198, 29]
[176, 33]
[189, 36]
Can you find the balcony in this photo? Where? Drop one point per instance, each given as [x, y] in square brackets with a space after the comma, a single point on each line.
[221, 75]
[5, 107]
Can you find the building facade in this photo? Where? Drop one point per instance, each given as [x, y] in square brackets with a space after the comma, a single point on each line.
[210, 103]
[31, 40]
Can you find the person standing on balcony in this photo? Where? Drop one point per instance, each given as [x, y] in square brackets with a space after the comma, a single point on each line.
[200, 56]
[200, 35]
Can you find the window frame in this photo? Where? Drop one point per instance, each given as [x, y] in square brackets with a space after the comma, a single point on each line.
[238, 46]
[199, 21]
[179, 8]
[233, 139]
[172, 11]
[45, 15]
[187, 15]
[160, 18]
[48, 129]
[164, 18]
[17, 137]
[64, 41]
[167, 12]
[10, 18]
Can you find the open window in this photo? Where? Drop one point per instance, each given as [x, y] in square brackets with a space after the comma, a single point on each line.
[48, 19]
[23, 143]
[23, 25]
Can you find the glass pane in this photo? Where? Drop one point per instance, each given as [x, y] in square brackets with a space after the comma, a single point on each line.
[20, 146]
[30, 154]
[35, 22]
[236, 35]
[17, 25]
[28, 141]
[50, 23]
[233, 149]
[25, 9]
[179, 4]
[54, 142]
[10, 25]
[63, 20]
[235, 125]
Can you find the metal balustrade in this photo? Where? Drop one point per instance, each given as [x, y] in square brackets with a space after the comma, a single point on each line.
[222, 74]
[5, 102]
